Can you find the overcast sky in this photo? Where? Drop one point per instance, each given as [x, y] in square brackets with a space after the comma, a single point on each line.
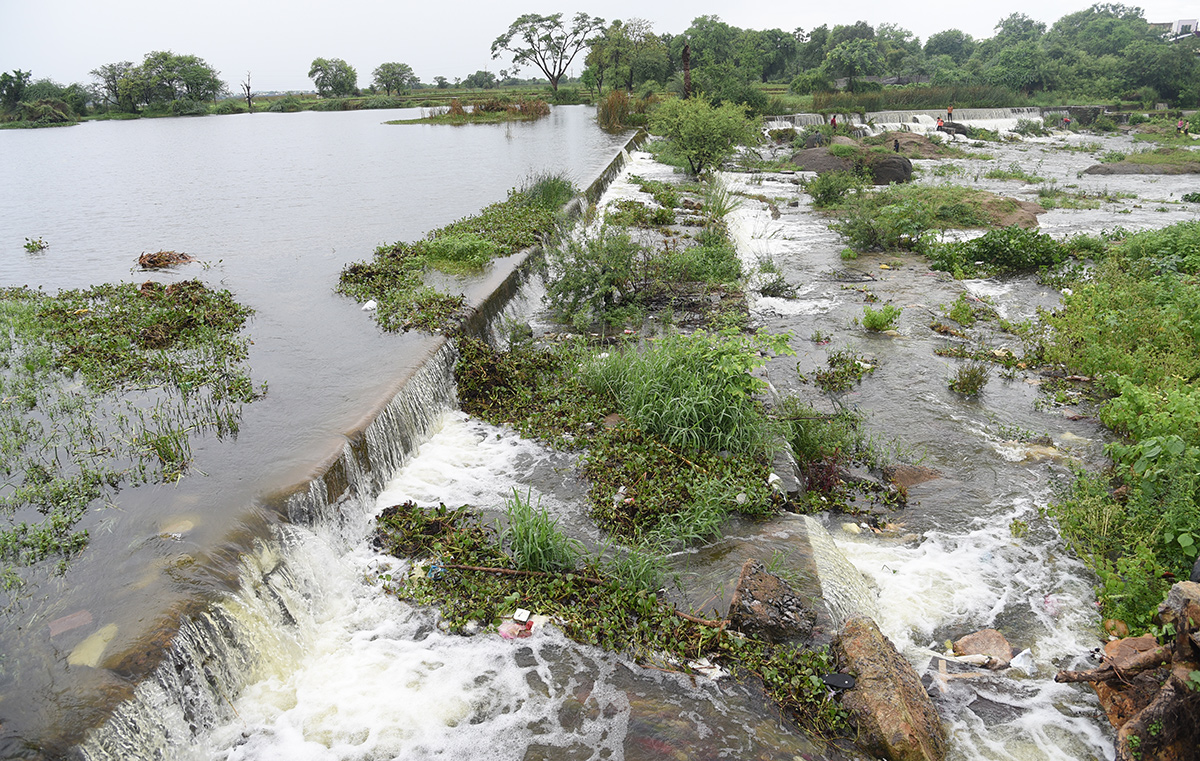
[276, 40]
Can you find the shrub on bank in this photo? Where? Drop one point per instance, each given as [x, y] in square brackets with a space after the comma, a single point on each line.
[1132, 326]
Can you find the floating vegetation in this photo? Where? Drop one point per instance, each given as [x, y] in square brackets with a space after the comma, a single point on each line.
[106, 386]
[160, 259]
[395, 278]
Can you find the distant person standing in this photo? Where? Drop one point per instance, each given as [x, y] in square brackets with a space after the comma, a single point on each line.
[949, 113]
[1179, 127]
[896, 146]
[833, 121]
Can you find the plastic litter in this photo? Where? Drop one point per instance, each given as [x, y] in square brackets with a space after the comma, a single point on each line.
[1023, 661]
[839, 681]
[367, 307]
[518, 627]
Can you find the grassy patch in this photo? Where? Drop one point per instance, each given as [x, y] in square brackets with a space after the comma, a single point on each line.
[1131, 327]
[999, 251]
[899, 216]
[489, 111]
[1013, 172]
[394, 279]
[106, 386]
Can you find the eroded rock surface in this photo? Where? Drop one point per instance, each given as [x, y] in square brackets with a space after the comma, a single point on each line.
[765, 606]
[895, 717]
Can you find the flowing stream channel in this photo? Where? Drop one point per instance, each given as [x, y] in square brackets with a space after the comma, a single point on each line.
[299, 654]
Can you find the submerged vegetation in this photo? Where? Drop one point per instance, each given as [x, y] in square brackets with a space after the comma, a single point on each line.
[102, 387]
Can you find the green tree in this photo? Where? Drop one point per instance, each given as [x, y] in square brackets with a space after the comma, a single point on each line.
[395, 76]
[855, 58]
[106, 80]
[901, 50]
[441, 82]
[859, 30]
[483, 80]
[546, 43]
[704, 134]
[1167, 67]
[1103, 29]
[12, 88]
[169, 77]
[953, 42]
[333, 77]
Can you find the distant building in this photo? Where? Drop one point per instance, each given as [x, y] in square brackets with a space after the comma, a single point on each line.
[1174, 30]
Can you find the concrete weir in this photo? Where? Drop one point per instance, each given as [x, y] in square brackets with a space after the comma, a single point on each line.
[188, 673]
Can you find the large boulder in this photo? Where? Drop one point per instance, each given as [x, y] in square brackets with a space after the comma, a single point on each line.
[895, 717]
[888, 168]
[986, 642]
[765, 606]
[820, 160]
[953, 128]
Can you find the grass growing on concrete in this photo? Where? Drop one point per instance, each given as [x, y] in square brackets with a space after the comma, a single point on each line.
[395, 278]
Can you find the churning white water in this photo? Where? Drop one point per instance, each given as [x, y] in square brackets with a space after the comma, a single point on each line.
[366, 676]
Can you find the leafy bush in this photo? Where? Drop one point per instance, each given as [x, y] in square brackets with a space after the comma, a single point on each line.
[703, 134]
[969, 379]
[592, 277]
[229, 106]
[882, 319]
[1191, 197]
[831, 188]
[1028, 127]
[287, 104]
[808, 82]
[1004, 250]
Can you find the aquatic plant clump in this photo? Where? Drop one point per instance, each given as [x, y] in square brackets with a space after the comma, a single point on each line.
[394, 279]
[104, 386]
[463, 571]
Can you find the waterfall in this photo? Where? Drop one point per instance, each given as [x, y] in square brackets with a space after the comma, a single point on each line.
[844, 589]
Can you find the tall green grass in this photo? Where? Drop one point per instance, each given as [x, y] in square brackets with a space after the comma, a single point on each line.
[534, 539]
[692, 391]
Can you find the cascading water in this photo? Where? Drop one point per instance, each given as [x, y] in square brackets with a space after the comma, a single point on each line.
[263, 626]
[973, 549]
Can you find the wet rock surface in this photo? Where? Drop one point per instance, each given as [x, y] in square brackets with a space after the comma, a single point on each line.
[989, 643]
[1146, 687]
[764, 605]
[895, 716]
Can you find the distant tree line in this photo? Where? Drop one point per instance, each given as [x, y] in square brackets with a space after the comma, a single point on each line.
[1105, 52]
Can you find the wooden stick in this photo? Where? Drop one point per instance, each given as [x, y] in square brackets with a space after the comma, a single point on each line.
[1147, 659]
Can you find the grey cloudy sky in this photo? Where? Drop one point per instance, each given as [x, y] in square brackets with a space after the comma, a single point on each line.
[276, 40]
